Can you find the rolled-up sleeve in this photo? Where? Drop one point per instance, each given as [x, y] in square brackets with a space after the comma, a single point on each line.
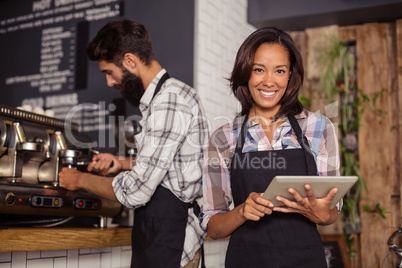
[166, 129]
[216, 179]
[328, 155]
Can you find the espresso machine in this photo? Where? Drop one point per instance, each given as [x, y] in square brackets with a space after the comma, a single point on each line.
[34, 148]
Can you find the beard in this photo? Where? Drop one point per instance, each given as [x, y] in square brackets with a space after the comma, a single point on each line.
[131, 88]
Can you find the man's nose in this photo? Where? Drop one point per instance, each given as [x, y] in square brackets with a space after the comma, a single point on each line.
[110, 81]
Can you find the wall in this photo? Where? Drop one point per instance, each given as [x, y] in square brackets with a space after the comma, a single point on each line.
[117, 257]
[384, 178]
[378, 54]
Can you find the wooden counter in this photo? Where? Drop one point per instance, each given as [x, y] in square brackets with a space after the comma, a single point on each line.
[31, 239]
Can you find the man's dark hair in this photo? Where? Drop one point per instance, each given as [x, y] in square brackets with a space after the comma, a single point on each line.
[244, 63]
[119, 37]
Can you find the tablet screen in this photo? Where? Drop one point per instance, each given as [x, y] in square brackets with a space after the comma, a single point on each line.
[321, 185]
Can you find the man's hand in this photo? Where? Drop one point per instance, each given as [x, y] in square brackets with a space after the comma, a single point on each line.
[315, 209]
[70, 178]
[102, 163]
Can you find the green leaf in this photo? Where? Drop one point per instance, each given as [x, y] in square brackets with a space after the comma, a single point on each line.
[352, 254]
[382, 213]
[304, 101]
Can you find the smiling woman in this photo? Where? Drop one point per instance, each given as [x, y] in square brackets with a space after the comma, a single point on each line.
[266, 79]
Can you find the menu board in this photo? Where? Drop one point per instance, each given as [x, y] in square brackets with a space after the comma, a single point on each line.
[44, 64]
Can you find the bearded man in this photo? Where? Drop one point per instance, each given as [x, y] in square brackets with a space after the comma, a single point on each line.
[165, 181]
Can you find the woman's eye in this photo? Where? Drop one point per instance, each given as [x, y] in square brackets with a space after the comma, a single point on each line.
[281, 71]
[258, 70]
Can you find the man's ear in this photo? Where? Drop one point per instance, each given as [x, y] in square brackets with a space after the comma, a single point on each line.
[130, 61]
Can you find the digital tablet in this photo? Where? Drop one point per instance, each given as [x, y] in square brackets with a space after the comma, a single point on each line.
[321, 185]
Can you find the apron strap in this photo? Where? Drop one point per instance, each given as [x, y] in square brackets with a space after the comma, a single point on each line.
[197, 211]
[165, 77]
[242, 135]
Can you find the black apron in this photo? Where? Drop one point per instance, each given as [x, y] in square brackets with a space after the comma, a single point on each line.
[280, 239]
[159, 226]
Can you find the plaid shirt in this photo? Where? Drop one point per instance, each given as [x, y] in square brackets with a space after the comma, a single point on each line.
[319, 131]
[170, 152]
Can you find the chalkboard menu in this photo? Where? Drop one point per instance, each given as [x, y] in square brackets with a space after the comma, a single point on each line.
[43, 62]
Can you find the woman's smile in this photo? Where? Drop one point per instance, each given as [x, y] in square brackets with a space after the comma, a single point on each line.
[267, 93]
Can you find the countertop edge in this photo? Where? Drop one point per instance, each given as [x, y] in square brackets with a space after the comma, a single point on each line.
[32, 239]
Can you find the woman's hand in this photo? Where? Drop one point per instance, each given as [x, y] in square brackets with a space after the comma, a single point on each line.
[255, 207]
[102, 164]
[315, 209]
[224, 224]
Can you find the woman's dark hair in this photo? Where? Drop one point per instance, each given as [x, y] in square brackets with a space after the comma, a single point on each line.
[119, 37]
[244, 64]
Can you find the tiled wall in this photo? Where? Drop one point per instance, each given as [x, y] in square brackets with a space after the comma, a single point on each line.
[115, 257]
[221, 26]
[215, 253]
